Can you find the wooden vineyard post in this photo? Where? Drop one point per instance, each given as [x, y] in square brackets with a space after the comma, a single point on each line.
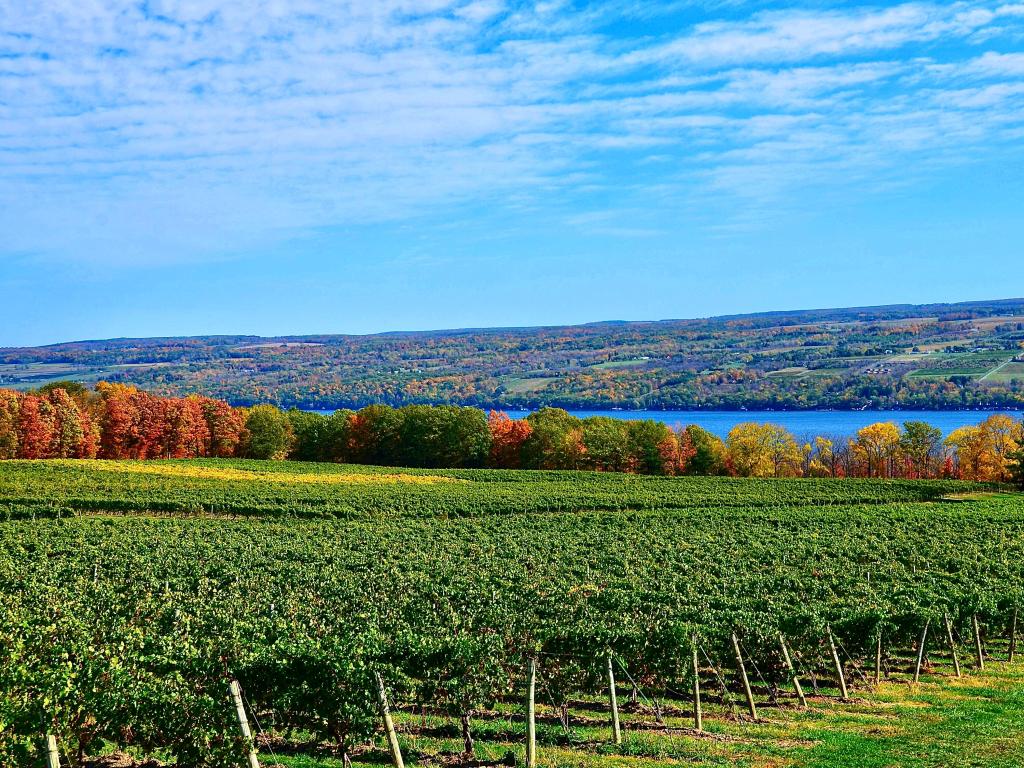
[616, 730]
[1013, 637]
[920, 651]
[243, 722]
[531, 713]
[792, 671]
[838, 663]
[977, 642]
[698, 717]
[878, 659]
[743, 676]
[952, 646]
[52, 753]
[389, 724]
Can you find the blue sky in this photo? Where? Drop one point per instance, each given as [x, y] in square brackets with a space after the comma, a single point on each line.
[177, 167]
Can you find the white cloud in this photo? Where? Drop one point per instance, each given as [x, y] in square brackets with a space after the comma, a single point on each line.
[198, 127]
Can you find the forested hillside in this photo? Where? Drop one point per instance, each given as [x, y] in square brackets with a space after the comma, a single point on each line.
[935, 356]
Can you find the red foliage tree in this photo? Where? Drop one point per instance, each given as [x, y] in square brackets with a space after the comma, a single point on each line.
[153, 428]
[507, 438]
[119, 425]
[187, 435]
[36, 428]
[90, 445]
[676, 454]
[226, 426]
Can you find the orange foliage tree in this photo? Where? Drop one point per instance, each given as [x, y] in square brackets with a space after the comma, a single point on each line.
[36, 428]
[507, 438]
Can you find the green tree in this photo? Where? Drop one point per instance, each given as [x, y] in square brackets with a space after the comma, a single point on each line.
[375, 435]
[311, 432]
[337, 436]
[465, 437]
[443, 436]
[921, 443]
[709, 452]
[269, 433]
[606, 443]
[647, 440]
[1017, 468]
[76, 389]
[556, 441]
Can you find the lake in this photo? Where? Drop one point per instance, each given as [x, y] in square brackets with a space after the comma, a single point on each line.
[800, 423]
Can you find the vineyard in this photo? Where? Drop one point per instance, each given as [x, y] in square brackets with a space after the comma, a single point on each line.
[132, 595]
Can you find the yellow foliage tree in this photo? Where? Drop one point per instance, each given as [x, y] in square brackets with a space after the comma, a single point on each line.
[763, 450]
[968, 450]
[876, 447]
[984, 452]
[823, 460]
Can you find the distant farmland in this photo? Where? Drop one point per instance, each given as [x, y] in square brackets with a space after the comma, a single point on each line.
[913, 357]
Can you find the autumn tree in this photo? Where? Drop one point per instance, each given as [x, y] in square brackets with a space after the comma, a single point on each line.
[68, 432]
[10, 410]
[651, 447]
[186, 434]
[36, 428]
[984, 452]
[507, 438]
[153, 427]
[374, 435]
[968, 457]
[763, 450]
[822, 461]
[119, 426]
[1002, 436]
[876, 447]
[226, 426]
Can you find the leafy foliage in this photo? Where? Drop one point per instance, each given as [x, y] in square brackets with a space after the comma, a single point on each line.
[127, 629]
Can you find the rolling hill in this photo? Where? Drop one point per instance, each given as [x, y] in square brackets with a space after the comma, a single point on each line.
[966, 355]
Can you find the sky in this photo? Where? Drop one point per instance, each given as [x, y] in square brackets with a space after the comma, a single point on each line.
[184, 167]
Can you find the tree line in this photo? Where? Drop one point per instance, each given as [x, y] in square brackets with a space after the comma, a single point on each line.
[118, 421]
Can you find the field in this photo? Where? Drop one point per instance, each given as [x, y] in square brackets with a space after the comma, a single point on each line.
[131, 593]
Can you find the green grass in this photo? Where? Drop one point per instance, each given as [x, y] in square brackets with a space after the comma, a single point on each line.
[519, 386]
[1007, 373]
[976, 721]
[612, 364]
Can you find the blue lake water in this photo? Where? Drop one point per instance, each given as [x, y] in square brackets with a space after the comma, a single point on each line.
[800, 423]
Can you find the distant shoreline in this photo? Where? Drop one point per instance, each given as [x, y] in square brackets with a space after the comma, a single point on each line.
[596, 408]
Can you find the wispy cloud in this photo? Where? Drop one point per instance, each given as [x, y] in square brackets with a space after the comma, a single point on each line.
[181, 129]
